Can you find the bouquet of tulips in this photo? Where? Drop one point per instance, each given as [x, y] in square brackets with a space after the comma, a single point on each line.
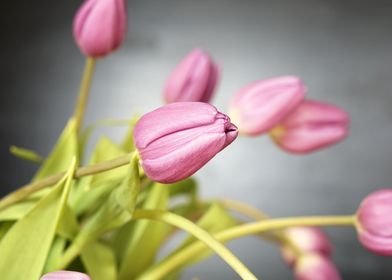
[108, 218]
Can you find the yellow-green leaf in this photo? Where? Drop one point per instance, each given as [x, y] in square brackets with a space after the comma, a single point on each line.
[25, 247]
[91, 189]
[68, 225]
[17, 211]
[127, 143]
[138, 242]
[214, 220]
[55, 253]
[62, 154]
[100, 262]
[26, 154]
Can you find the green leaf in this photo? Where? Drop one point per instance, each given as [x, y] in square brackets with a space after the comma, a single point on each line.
[91, 189]
[128, 144]
[116, 211]
[25, 247]
[62, 154]
[68, 225]
[4, 228]
[100, 262]
[215, 219]
[17, 211]
[86, 133]
[138, 242]
[26, 154]
[187, 187]
[55, 253]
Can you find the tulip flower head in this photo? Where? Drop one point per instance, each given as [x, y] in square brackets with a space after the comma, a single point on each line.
[311, 126]
[65, 275]
[374, 222]
[194, 79]
[315, 267]
[307, 240]
[262, 105]
[100, 26]
[177, 139]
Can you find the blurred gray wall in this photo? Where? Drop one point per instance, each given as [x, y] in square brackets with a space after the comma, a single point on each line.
[342, 49]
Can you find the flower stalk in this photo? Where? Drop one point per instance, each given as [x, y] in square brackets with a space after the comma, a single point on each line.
[170, 264]
[84, 92]
[28, 189]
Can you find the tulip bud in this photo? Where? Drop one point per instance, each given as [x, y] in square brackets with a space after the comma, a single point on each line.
[260, 106]
[100, 26]
[65, 275]
[194, 79]
[315, 267]
[313, 125]
[307, 240]
[177, 139]
[374, 226]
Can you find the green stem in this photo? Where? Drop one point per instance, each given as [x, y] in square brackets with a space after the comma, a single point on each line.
[278, 237]
[28, 189]
[199, 233]
[84, 92]
[186, 254]
[114, 212]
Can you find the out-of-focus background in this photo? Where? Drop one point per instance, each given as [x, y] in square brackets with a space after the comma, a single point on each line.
[341, 48]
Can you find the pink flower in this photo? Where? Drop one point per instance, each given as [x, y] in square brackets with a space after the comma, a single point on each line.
[260, 106]
[307, 240]
[176, 140]
[100, 26]
[194, 79]
[312, 126]
[315, 267]
[374, 218]
[65, 275]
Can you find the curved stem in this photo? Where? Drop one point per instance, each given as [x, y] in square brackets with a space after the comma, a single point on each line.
[278, 237]
[243, 209]
[84, 92]
[199, 233]
[183, 256]
[28, 189]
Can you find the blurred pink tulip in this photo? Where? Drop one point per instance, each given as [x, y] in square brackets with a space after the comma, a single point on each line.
[374, 218]
[65, 275]
[194, 79]
[176, 140]
[307, 240]
[311, 126]
[260, 106]
[315, 267]
[100, 26]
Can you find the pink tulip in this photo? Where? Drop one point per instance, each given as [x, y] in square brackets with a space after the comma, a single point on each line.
[374, 218]
[177, 139]
[312, 126]
[260, 106]
[315, 267]
[100, 26]
[65, 275]
[194, 79]
[307, 240]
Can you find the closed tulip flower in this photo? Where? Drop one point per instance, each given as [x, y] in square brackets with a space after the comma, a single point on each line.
[374, 226]
[315, 267]
[194, 79]
[100, 26]
[177, 139]
[307, 240]
[260, 106]
[65, 275]
[312, 126]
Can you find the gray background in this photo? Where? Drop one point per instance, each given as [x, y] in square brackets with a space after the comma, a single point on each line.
[342, 49]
